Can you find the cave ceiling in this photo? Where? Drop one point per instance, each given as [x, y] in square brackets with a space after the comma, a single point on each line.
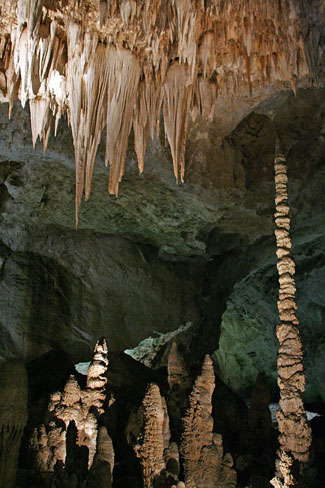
[112, 65]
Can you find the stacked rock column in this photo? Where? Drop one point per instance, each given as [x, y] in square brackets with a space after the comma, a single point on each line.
[294, 431]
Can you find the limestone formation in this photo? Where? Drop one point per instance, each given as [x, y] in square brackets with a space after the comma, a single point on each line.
[179, 381]
[201, 449]
[154, 438]
[294, 431]
[101, 472]
[13, 418]
[178, 371]
[111, 63]
[81, 408]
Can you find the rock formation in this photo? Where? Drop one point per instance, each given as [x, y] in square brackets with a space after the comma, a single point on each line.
[13, 418]
[201, 449]
[180, 383]
[294, 431]
[178, 371]
[101, 472]
[70, 433]
[154, 438]
[87, 59]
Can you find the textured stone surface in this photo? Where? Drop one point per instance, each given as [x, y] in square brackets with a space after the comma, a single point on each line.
[71, 425]
[200, 447]
[13, 418]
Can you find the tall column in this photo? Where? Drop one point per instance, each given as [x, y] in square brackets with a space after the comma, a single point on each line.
[294, 431]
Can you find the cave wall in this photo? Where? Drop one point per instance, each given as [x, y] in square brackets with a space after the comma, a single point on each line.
[162, 254]
[72, 287]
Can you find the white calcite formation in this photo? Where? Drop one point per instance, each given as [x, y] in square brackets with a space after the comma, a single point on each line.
[110, 64]
[82, 407]
[294, 431]
[13, 418]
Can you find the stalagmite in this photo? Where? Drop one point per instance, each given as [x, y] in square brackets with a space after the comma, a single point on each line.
[101, 472]
[294, 431]
[82, 407]
[178, 372]
[201, 449]
[155, 435]
[180, 384]
[13, 418]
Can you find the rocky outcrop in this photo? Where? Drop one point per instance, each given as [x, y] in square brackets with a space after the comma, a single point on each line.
[294, 431]
[70, 433]
[201, 449]
[13, 418]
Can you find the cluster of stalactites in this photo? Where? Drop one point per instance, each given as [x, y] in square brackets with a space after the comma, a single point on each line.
[116, 63]
[73, 406]
[294, 431]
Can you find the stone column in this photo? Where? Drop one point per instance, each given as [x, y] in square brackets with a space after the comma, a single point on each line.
[294, 431]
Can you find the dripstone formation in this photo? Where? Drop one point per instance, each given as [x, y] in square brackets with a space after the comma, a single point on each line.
[70, 437]
[294, 431]
[204, 464]
[113, 64]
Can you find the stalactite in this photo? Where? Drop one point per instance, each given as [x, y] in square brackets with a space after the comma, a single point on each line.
[294, 431]
[153, 98]
[177, 98]
[86, 59]
[140, 126]
[13, 418]
[124, 74]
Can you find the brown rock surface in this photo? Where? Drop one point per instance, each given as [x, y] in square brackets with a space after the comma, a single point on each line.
[13, 418]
